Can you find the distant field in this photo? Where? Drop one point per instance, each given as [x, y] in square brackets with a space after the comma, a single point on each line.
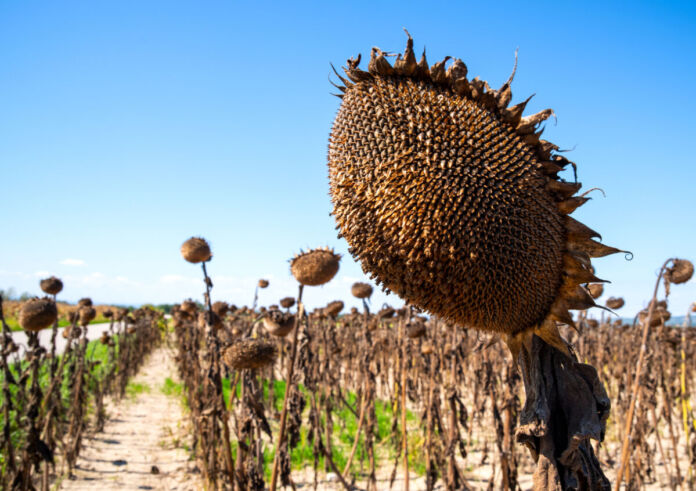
[11, 309]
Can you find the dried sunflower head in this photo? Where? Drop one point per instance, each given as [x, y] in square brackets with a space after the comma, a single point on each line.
[86, 315]
[287, 302]
[84, 302]
[189, 306]
[386, 312]
[450, 198]
[37, 314]
[615, 303]
[315, 267]
[596, 290]
[196, 250]
[681, 271]
[416, 328]
[250, 354]
[211, 319]
[120, 314]
[278, 323]
[221, 308]
[659, 317]
[334, 308]
[51, 286]
[361, 290]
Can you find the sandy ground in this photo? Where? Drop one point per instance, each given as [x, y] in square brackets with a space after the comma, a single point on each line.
[151, 429]
[142, 432]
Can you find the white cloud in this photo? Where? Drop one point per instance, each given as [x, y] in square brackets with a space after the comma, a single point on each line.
[177, 278]
[73, 262]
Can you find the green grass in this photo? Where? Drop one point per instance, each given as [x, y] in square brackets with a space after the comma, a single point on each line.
[133, 389]
[96, 352]
[345, 426]
[171, 388]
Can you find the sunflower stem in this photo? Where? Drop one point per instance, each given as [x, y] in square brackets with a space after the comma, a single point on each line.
[288, 388]
[628, 425]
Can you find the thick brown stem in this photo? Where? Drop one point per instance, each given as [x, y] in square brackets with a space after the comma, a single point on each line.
[429, 428]
[628, 425]
[361, 419]
[451, 464]
[404, 437]
[288, 388]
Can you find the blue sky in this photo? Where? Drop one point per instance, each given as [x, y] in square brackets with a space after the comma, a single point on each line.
[126, 127]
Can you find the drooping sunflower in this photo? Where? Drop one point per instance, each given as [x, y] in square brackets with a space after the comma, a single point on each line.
[451, 199]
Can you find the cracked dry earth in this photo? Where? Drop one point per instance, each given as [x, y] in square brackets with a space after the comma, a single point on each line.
[142, 432]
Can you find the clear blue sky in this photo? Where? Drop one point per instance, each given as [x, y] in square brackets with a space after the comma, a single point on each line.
[126, 127]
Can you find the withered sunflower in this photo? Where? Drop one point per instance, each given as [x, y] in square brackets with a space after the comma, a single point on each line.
[449, 197]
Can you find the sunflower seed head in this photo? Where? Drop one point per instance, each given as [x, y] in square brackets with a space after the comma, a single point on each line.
[451, 199]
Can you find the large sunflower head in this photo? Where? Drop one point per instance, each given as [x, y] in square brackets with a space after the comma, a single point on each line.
[450, 198]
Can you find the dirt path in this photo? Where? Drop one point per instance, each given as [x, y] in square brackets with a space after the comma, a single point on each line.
[142, 431]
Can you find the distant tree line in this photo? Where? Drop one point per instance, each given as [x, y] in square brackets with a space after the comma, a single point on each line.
[11, 294]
